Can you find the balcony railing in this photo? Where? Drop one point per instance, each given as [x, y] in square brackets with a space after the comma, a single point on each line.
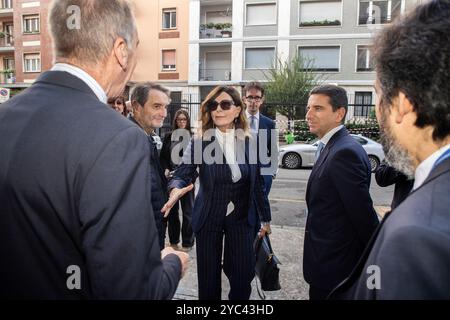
[7, 77]
[216, 31]
[6, 41]
[215, 75]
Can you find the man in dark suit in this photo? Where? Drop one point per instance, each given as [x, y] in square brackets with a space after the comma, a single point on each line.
[150, 101]
[253, 97]
[75, 215]
[264, 129]
[386, 175]
[341, 217]
[409, 256]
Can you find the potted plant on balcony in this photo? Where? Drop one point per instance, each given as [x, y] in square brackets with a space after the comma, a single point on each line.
[226, 30]
[9, 75]
[209, 29]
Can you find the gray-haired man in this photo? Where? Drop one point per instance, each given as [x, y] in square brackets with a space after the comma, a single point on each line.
[74, 174]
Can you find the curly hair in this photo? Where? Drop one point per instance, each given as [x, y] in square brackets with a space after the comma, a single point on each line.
[412, 56]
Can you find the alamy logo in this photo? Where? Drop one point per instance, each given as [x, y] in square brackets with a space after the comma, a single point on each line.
[374, 279]
[74, 280]
[74, 20]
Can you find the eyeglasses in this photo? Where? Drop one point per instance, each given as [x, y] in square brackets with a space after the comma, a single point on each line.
[182, 119]
[224, 105]
[253, 98]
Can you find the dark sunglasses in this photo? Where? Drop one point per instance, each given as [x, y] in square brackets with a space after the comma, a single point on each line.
[224, 105]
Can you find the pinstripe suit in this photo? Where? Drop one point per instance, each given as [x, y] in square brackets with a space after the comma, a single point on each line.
[211, 223]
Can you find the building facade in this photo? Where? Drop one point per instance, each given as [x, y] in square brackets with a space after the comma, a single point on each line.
[25, 44]
[237, 41]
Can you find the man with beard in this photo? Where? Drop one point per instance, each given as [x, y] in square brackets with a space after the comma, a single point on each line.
[409, 257]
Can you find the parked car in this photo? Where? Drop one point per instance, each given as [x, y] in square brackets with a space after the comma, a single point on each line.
[299, 155]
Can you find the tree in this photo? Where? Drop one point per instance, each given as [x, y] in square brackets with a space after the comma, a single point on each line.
[289, 84]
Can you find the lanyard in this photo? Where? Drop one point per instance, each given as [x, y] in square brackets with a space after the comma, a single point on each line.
[442, 158]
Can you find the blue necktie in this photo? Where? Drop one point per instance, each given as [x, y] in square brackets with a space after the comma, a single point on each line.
[253, 123]
[319, 151]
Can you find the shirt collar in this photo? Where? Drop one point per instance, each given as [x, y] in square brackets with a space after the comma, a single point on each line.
[249, 115]
[85, 77]
[425, 167]
[326, 138]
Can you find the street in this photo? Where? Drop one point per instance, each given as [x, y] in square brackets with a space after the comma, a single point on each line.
[287, 197]
[287, 200]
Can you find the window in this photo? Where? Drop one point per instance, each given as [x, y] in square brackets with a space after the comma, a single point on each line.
[378, 12]
[259, 58]
[8, 29]
[364, 59]
[169, 18]
[363, 104]
[31, 23]
[8, 64]
[320, 13]
[168, 60]
[6, 4]
[261, 14]
[323, 58]
[32, 62]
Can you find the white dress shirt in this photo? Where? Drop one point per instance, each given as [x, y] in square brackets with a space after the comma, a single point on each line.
[424, 168]
[326, 138]
[85, 77]
[227, 143]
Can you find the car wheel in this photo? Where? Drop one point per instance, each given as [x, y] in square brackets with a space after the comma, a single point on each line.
[292, 161]
[374, 163]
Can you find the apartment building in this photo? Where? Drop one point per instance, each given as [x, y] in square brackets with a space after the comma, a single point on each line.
[25, 45]
[237, 41]
[163, 54]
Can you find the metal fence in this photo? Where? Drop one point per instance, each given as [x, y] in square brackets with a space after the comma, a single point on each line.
[360, 119]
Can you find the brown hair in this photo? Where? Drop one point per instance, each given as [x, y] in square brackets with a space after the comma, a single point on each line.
[205, 115]
[186, 114]
[253, 85]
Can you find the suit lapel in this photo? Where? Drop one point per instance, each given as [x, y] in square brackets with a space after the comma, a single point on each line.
[358, 269]
[324, 155]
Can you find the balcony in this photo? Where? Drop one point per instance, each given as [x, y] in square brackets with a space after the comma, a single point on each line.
[215, 75]
[216, 19]
[7, 76]
[215, 62]
[6, 8]
[211, 30]
[6, 43]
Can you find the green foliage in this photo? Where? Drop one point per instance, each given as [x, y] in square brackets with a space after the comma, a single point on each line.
[320, 23]
[289, 84]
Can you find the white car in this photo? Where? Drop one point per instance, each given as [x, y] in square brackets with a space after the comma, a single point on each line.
[299, 155]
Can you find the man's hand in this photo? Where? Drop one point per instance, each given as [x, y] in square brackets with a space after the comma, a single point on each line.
[175, 195]
[184, 258]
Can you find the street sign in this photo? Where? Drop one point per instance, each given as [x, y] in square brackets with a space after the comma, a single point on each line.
[4, 95]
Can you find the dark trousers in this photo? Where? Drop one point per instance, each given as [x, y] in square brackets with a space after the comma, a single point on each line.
[268, 186]
[187, 235]
[238, 260]
[317, 293]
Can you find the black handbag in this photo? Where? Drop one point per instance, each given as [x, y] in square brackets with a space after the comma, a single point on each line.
[267, 263]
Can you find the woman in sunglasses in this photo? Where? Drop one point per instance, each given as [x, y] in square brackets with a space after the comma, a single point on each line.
[229, 185]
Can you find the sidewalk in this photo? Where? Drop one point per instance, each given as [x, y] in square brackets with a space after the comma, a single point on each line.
[287, 243]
